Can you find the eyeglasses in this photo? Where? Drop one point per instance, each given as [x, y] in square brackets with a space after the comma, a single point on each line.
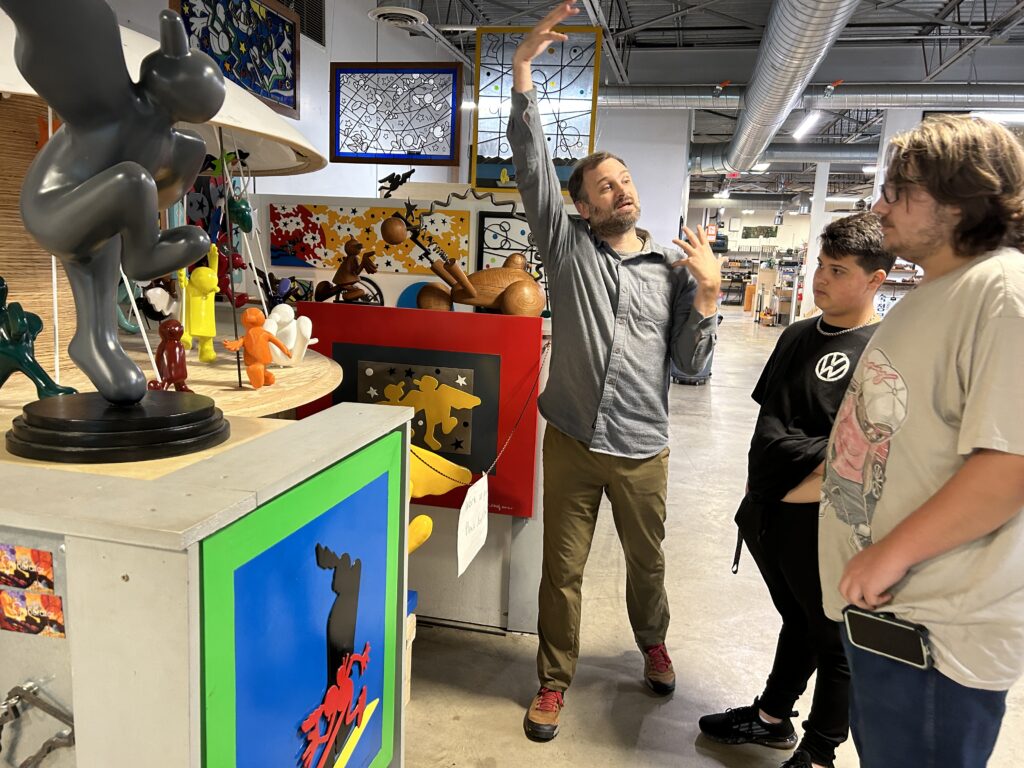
[890, 192]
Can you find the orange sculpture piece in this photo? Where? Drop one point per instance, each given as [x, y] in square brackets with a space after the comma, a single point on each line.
[256, 342]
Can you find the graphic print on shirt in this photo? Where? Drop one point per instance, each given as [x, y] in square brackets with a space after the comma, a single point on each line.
[832, 366]
[873, 411]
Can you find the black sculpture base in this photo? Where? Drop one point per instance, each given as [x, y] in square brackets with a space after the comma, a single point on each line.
[87, 429]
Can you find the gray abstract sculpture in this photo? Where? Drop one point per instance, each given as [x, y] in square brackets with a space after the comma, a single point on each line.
[92, 195]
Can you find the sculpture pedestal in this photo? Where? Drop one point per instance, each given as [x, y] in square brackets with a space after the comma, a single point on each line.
[86, 429]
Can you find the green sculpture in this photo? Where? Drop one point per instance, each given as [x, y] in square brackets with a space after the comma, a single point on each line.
[18, 331]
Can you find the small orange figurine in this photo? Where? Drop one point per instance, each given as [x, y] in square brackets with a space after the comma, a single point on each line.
[257, 341]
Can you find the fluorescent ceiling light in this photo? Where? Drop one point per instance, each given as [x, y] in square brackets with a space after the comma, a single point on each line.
[1007, 117]
[869, 170]
[748, 210]
[723, 195]
[762, 167]
[841, 199]
[807, 124]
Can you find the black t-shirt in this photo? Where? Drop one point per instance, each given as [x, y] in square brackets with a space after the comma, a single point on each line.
[799, 392]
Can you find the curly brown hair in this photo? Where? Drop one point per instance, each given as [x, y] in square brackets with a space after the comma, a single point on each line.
[974, 164]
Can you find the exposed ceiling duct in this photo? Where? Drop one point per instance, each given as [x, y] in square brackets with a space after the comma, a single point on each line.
[846, 96]
[712, 158]
[798, 35]
[757, 202]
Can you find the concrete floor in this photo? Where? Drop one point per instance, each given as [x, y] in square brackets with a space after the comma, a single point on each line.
[470, 689]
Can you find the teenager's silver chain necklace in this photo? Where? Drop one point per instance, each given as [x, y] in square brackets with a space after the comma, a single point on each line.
[845, 330]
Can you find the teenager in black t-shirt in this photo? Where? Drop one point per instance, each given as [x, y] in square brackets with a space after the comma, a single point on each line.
[799, 392]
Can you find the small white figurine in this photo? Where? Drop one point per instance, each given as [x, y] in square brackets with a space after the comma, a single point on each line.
[294, 332]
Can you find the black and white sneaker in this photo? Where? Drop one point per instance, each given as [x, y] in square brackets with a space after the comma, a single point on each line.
[744, 725]
[802, 759]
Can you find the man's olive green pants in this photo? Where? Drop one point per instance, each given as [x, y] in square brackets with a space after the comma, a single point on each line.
[574, 480]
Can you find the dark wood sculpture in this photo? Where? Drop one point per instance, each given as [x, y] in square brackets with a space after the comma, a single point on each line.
[344, 286]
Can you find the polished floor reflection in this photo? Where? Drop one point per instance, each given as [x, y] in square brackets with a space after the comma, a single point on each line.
[470, 689]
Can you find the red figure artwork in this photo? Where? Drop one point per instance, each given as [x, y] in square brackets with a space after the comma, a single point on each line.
[335, 711]
[170, 358]
[226, 264]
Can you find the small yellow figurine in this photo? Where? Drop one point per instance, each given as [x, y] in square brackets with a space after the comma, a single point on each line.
[257, 341]
[200, 291]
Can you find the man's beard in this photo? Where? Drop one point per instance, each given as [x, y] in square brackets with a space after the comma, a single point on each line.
[615, 223]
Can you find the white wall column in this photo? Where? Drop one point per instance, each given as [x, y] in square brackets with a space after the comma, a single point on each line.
[819, 220]
[684, 204]
[655, 144]
[896, 121]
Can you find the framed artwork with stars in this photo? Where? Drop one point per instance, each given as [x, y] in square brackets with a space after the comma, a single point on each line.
[254, 42]
[313, 233]
[471, 379]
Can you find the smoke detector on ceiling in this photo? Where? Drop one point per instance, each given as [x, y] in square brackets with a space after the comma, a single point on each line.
[397, 16]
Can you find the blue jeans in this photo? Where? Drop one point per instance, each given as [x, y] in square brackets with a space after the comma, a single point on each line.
[904, 717]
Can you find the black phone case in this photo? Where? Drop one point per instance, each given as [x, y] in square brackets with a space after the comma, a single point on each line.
[889, 637]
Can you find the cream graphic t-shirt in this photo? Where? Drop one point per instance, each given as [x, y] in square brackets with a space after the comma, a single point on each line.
[943, 376]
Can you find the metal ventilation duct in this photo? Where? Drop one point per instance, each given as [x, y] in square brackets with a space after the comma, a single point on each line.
[757, 202]
[798, 35]
[712, 158]
[846, 96]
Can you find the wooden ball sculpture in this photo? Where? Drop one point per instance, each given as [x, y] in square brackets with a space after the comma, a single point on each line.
[509, 288]
[394, 230]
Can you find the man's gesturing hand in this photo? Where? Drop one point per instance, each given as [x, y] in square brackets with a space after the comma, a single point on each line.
[542, 35]
[706, 268]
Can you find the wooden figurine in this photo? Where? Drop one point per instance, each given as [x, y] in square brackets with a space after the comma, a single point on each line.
[509, 288]
[344, 286]
[256, 342]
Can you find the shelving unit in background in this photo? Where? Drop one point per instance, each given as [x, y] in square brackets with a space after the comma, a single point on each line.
[901, 281]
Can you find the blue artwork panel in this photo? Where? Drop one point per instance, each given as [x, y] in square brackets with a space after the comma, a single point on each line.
[310, 638]
[254, 42]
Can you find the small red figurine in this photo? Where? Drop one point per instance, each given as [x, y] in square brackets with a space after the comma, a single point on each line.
[257, 341]
[226, 264]
[170, 358]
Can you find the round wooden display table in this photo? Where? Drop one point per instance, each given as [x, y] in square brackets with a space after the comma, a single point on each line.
[311, 379]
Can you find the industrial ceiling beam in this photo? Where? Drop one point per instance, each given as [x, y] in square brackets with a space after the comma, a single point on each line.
[1000, 27]
[947, 9]
[674, 15]
[596, 14]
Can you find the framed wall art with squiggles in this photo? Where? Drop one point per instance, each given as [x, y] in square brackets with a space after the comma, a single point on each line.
[395, 112]
[565, 77]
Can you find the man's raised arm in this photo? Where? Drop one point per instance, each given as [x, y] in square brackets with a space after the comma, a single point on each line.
[535, 173]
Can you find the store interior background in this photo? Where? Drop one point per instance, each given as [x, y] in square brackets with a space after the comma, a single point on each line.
[470, 688]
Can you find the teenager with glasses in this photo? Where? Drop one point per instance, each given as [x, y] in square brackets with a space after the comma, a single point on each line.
[924, 477]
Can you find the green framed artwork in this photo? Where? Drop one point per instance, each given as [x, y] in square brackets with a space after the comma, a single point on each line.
[303, 609]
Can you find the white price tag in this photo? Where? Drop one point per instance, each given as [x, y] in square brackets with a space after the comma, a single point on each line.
[472, 523]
